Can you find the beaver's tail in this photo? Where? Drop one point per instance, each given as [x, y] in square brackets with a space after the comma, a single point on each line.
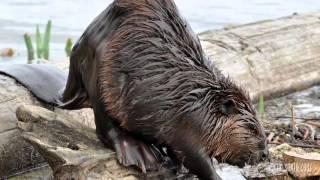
[46, 82]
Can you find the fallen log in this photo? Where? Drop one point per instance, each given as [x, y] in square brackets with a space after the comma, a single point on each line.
[73, 150]
[16, 154]
[302, 165]
[272, 57]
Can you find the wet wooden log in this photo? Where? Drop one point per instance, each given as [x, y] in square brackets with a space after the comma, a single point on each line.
[16, 154]
[272, 57]
[302, 165]
[73, 150]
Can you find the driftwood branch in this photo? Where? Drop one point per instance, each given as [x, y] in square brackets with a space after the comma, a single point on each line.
[73, 150]
[298, 145]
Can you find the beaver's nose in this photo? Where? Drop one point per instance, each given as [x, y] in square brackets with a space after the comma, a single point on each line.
[264, 154]
[263, 149]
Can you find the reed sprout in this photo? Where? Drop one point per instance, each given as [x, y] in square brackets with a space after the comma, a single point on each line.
[68, 47]
[42, 43]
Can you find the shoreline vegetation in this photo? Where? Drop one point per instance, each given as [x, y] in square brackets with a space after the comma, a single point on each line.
[40, 48]
[41, 43]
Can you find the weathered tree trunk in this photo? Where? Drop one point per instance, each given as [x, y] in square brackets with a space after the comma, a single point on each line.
[73, 150]
[272, 57]
[15, 153]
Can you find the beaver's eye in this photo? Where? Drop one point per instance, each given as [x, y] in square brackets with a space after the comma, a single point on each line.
[228, 107]
[253, 128]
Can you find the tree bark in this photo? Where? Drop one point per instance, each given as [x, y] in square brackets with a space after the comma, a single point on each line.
[73, 150]
[270, 58]
[15, 153]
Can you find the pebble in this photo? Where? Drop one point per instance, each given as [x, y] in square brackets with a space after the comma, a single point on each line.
[7, 52]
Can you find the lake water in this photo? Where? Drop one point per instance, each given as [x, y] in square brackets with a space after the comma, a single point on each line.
[70, 17]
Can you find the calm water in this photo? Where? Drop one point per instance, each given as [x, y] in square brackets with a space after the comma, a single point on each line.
[70, 17]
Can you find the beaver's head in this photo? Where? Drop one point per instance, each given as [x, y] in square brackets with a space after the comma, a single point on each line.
[237, 136]
[228, 123]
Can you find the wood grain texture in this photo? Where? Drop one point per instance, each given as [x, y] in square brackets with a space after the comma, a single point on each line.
[15, 153]
[302, 165]
[72, 149]
[272, 57]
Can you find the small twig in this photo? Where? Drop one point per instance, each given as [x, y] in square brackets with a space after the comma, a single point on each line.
[271, 135]
[313, 123]
[7, 100]
[277, 139]
[39, 166]
[306, 133]
[311, 130]
[303, 118]
[293, 121]
[298, 145]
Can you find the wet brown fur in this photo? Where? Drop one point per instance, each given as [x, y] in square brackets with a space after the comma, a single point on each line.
[165, 71]
[147, 67]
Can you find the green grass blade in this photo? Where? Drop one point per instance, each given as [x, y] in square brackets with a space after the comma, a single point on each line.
[46, 41]
[261, 108]
[68, 47]
[38, 42]
[28, 42]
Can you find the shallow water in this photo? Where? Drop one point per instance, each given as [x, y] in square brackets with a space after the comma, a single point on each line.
[70, 17]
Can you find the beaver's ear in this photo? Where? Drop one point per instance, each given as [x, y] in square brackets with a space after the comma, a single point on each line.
[228, 107]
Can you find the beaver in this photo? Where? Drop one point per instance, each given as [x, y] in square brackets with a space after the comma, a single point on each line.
[143, 71]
